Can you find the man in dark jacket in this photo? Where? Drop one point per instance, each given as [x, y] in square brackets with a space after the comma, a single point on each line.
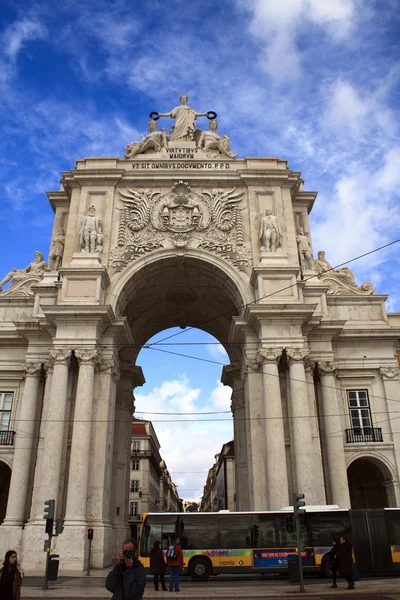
[127, 580]
[343, 554]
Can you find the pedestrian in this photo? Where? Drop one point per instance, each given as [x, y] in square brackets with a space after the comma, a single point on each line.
[127, 580]
[11, 577]
[157, 565]
[345, 562]
[334, 564]
[175, 564]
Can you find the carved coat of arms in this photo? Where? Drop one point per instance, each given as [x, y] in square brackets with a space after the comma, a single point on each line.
[181, 217]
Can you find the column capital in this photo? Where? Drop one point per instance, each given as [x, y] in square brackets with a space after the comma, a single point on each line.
[33, 369]
[124, 400]
[309, 365]
[269, 355]
[237, 401]
[111, 365]
[326, 366]
[87, 355]
[249, 365]
[389, 373]
[61, 355]
[297, 354]
[48, 366]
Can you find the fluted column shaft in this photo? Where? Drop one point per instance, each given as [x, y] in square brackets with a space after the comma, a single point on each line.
[81, 437]
[24, 446]
[277, 481]
[301, 425]
[333, 429]
[54, 440]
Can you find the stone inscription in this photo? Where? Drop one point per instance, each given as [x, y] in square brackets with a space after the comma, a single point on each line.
[184, 165]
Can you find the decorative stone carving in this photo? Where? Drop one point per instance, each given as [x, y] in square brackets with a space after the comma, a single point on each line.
[237, 402]
[87, 355]
[90, 232]
[389, 373]
[155, 141]
[181, 295]
[309, 365]
[48, 366]
[215, 144]
[22, 280]
[305, 250]
[59, 355]
[269, 355]
[57, 250]
[340, 281]
[327, 366]
[32, 368]
[270, 232]
[124, 400]
[110, 365]
[180, 218]
[297, 354]
[185, 120]
[249, 366]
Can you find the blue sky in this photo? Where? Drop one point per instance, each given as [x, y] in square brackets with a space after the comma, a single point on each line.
[315, 82]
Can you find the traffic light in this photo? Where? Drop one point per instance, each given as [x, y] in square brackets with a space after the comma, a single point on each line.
[49, 507]
[90, 534]
[59, 526]
[298, 503]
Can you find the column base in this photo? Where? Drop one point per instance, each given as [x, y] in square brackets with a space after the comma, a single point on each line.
[12, 538]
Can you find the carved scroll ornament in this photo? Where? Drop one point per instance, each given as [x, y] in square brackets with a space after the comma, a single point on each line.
[340, 281]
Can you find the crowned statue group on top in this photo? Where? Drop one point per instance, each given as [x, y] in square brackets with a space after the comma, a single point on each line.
[184, 130]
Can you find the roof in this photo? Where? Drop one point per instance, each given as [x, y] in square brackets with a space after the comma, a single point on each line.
[139, 429]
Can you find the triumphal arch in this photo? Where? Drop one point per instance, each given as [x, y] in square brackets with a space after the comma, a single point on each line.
[183, 232]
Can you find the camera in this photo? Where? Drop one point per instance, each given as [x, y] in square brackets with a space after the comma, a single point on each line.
[128, 553]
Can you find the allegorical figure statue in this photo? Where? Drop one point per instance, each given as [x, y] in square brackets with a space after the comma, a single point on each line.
[57, 250]
[211, 140]
[34, 269]
[270, 232]
[322, 266]
[305, 250]
[185, 120]
[90, 229]
[155, 140]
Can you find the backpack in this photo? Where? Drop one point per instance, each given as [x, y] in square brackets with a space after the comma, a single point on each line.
[171, 553]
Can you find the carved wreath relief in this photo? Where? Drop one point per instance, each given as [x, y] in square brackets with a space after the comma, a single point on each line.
[180, 218]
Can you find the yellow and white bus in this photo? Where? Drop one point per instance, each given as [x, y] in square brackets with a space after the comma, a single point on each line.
[248, 542]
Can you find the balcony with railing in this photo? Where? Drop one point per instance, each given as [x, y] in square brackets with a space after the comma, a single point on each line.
[364, 434]
[141, 453]
[7, 438]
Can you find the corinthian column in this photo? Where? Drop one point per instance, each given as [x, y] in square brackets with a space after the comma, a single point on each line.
[301, 425]
[333, 429]
[56, 411]
[277, 481]
[81, 436]
[24, 446]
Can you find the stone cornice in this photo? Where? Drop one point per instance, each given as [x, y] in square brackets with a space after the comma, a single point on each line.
[95, 314]
[286, 312]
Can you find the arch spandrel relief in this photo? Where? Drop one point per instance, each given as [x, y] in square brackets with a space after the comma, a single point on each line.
[180, 218]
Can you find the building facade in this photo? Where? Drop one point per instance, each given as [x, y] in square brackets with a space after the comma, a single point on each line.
[220, 488]
[151, 488]
[181, 232]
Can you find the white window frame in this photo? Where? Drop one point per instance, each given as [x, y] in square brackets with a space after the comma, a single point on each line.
[133, 508]
[135, 485]
[5, 413]
[136, 462]
[359, 409]
[136, 447]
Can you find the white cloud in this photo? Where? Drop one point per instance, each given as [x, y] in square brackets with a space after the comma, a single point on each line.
[217, 351]
[20, 32]
[189, 444]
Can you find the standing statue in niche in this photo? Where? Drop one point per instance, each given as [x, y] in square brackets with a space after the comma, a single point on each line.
[211, 140]
[34, 269]
[156, 140]
[185, 119]
[305, 250]
[89, 231]
[57, 250]
[270, 232]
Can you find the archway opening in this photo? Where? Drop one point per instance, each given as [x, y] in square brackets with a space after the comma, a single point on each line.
[5, 476]
[368, 484]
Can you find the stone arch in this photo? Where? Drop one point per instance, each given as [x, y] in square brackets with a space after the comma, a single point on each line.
[5, 477]
[371, 483]
[166, 290]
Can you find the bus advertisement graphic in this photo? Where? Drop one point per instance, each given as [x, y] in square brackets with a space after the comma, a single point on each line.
[278, 557]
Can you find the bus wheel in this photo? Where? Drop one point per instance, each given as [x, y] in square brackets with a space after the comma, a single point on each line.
[199, 569]
[326, 566]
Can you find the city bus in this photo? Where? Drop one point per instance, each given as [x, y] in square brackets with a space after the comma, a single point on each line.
[249, 542]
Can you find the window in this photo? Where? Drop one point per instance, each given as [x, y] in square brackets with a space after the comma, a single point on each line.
[135, 464]
[360, 412]
[135, 447]
[133, 509]
[6, 399]
[134, 485]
